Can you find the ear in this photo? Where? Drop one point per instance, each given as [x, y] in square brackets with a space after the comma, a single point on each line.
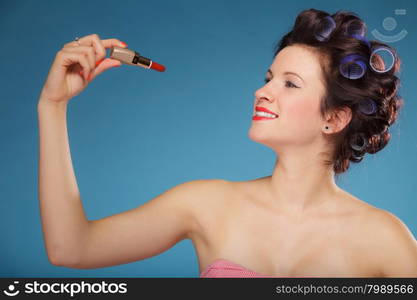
[339, 119]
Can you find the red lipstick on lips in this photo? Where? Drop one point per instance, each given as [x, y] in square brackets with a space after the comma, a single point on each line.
[260, 108]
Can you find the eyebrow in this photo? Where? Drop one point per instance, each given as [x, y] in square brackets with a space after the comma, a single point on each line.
[286, 73]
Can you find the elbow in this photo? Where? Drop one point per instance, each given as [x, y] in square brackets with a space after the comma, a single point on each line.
[60, 260]
[54, 259]
[62, 256]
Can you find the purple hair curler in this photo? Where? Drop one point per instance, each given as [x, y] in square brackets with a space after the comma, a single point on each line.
[325, 28]
[353, 66]
[367, 106]
[355, 27]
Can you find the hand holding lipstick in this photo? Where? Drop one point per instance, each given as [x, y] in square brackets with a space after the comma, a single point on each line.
[75, 65]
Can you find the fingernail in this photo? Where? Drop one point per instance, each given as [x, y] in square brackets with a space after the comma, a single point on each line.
[124, 44]
[89, 77]
[117, 66]
[99, 61]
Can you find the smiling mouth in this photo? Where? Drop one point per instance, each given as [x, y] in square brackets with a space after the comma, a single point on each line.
[261, 115]
[263, 111]
[265, 115]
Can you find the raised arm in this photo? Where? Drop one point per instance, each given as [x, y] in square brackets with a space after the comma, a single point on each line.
[62, 215]
[142, 232]
[71, 239]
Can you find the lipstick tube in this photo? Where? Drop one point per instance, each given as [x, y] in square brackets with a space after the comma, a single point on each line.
[131, 57]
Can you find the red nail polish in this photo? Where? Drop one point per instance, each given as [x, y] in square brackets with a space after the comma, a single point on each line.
[99, 62]
[124, 44]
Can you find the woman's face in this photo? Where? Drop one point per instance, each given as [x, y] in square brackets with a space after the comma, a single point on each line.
[293, 91]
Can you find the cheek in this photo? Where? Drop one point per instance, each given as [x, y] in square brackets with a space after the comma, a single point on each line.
[303, 109]
[303, 116]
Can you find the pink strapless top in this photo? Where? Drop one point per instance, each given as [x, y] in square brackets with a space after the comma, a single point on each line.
[226, 268]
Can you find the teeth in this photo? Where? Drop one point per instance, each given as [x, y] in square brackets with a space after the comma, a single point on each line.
[264, 114]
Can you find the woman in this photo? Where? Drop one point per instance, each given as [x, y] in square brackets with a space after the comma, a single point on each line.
[326, 111]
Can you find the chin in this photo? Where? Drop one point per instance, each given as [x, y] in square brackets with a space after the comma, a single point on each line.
[269, 137]
[261, 136]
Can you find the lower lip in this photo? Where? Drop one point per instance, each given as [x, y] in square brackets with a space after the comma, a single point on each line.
[258, 118]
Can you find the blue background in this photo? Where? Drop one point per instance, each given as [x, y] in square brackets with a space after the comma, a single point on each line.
[135, 133]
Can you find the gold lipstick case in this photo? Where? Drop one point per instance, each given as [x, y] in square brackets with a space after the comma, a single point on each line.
[129, 57]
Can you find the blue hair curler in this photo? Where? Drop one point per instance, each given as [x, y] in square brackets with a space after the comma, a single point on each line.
[352, 66]
[367, 106]
[358, 142]
[379, 61]
[358, 158]
[355, 27]
[325, 28]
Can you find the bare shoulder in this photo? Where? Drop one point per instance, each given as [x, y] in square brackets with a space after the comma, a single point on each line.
[200, 191]
[382, 237]
[388, 225]
[396, 247]
[206, 190]
[205, 197]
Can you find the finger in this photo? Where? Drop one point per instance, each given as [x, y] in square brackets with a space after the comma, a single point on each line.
[70, 58]
[104, 65]
[89, 40]
[109, 43]
[88, 52]
[71, 44]
[83, 41]
[98, 47]
[94, 43]
[98, 44]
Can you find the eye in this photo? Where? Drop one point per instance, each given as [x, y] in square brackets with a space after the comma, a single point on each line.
[289, 84]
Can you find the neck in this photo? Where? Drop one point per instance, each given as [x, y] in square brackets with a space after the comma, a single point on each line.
[301, 184]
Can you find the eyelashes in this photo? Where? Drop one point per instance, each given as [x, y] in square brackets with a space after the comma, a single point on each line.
[288, 83]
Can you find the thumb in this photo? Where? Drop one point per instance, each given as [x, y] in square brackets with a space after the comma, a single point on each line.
[104, 65]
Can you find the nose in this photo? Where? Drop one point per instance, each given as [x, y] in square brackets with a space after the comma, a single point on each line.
[262, 94]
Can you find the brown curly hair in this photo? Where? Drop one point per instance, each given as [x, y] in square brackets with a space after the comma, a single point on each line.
[364, 133]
